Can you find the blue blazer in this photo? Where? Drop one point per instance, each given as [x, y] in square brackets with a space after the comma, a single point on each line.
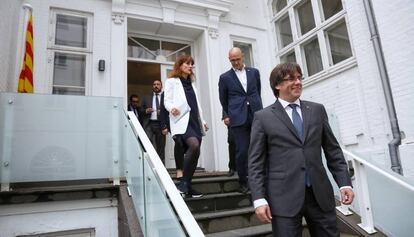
[235, 100]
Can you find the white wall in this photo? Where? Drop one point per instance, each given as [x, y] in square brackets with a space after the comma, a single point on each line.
[11, 13]
[44, 217]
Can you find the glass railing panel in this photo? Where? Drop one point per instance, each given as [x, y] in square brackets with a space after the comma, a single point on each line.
[391, 203]
[59, 137]
[134, 173]
[161, 219]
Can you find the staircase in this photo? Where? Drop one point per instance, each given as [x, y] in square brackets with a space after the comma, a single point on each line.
[224, 212]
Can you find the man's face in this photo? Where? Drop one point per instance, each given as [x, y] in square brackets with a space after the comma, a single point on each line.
[290, 89]
[134, 101]
[156, 86]
[236, 59]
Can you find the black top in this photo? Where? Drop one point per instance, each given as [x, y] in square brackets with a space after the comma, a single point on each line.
[193, 128]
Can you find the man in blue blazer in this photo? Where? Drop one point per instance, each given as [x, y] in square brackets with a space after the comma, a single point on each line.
[239, 90]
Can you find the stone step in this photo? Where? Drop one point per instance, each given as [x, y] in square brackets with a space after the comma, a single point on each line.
[218, 202]
[217, 184]
[219, 221]
[256, 231]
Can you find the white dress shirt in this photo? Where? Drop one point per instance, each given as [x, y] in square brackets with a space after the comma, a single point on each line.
[242, 76]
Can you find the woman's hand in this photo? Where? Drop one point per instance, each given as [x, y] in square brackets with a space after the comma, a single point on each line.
[175, 112]
[205, 127]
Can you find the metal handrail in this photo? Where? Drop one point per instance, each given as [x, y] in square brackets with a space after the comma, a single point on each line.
[379, 170]
[177, 201]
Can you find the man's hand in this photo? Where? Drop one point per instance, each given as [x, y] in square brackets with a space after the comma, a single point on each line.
[226, 121]
[149, 110]
[164, 131]
[205, 127]
[263, 214]
[175, 112]
[347, 196]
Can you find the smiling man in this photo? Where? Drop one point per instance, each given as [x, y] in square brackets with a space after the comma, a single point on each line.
[286, 175]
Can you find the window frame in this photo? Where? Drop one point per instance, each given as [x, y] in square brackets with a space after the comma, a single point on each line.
[54, 48]
[249, 41]
[321, 26]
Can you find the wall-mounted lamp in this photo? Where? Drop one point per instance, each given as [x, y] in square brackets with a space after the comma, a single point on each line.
[101, 65]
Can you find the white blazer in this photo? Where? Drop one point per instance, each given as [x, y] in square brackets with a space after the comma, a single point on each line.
[174, 96]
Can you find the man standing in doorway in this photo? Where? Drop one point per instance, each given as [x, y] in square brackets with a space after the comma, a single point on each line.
[152, 120]
[287, 177]
[239, 90]
[134, 106]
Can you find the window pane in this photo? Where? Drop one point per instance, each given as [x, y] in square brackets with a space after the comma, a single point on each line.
[71, 31]
[289, 57]
[247, 51]
[306, 20]
[69, 70]
[284, 31]
[278, 5]
[313, 56]
[170, 47]
[68, 91]
[185, 51]
[331, 7]
[339, 43]
[149, 51]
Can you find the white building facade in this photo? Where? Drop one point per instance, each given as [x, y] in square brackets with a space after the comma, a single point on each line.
[116, 48]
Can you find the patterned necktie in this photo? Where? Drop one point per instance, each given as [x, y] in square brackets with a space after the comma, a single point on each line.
[297, 122]
[157, 104]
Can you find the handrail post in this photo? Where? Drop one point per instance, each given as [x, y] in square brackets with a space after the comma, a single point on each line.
[116, 151]
[361, 184]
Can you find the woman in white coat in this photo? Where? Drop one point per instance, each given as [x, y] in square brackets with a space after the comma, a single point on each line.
[186, 118]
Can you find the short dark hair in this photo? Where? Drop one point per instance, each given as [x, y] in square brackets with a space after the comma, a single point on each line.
[280, 72]
[133, 96]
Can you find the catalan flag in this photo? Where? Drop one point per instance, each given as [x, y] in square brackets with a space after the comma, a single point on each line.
[26, 74]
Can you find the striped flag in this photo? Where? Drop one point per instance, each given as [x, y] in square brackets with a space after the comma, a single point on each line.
[26, 74]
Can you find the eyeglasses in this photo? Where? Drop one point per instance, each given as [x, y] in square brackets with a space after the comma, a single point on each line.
[293, 79]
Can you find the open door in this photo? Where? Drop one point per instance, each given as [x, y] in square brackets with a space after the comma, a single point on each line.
[169, 143]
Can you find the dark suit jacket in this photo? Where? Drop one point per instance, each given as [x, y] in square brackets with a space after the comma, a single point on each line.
[234, 99]
[147, 103]
[164, 115]
[278, 159]
[138, 110]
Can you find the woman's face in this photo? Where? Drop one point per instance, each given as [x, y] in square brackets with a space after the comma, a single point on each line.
[186, 68]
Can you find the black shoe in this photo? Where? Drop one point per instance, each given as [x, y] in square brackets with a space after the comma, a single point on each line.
[244, 189]
[231, 172]
[195, 194]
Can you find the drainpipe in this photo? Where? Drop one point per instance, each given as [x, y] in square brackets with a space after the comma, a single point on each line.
[396, 141]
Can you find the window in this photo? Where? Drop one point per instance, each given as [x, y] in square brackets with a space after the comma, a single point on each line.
[278, 5]
[311, 32]
[246, 49]
[70, 51]
[152, 49]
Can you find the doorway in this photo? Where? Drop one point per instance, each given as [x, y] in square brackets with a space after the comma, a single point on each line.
[141, 75]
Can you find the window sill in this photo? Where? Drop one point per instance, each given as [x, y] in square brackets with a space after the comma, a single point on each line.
[330, 72]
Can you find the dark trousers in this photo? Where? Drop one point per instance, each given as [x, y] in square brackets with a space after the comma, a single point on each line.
[241, 135]
[154, 133]
[319, 223]
[232, 149]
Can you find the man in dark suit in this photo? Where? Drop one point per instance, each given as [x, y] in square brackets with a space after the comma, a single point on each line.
[287, 178]
[151, 119]
[134, 106]
[239, 90]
